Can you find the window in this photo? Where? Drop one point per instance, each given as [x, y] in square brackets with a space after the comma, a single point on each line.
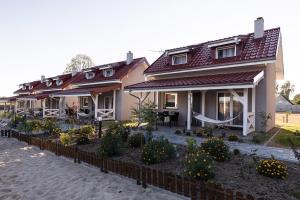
[225, 52]
[59, 82]
[49, 83]
[108, 72]
[171, 100]
[85, 102]
[108, 102]
[179, 59]
[89, 75]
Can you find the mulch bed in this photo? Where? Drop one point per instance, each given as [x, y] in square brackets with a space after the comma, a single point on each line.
[238, 173]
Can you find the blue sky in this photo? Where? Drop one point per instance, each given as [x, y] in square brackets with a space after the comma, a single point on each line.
[39, 37]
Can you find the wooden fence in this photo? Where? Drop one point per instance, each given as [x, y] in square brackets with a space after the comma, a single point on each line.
[143, 175]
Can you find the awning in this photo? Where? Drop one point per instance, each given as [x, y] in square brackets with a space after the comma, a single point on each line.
[204, 82]
[86, 91]
[34, 96]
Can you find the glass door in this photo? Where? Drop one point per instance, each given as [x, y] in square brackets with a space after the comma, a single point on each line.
[223, 106]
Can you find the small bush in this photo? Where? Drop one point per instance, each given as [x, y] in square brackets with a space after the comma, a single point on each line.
[65, 138]
[119, 129]
[87, 131]
[136, 140]
[157, 151]
[236, 152]
[216, 148]
[272, 168]
[178, 132]
[297, 133]
[110, 144]
[233, 138]
[198, 165]
[49, 125]
[191, 145]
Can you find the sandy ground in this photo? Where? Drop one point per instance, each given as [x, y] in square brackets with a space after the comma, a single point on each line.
[28, 173]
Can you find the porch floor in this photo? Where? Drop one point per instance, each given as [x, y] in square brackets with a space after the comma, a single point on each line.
[259, 150]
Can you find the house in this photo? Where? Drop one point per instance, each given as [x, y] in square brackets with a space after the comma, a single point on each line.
[283, 104]
[230, 78]
[90, 93]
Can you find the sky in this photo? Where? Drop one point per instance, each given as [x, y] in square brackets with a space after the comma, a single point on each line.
[39, 37]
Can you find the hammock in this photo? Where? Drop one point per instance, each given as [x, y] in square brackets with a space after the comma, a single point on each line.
[213, 121]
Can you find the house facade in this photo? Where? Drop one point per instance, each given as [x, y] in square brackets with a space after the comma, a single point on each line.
[231, 78]
[91, 93]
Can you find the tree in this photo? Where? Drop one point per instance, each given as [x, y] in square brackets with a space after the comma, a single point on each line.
[296, 99]
[287, 89]
[78, 63]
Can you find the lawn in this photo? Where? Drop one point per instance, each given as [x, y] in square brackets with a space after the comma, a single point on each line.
[286, 134]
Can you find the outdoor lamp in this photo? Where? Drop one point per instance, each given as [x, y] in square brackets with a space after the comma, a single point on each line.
[99, 119]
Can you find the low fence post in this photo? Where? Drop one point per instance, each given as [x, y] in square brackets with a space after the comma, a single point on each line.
[144, 184]
[138, 175]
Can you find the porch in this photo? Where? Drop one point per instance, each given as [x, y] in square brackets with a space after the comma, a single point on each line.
[224, 99]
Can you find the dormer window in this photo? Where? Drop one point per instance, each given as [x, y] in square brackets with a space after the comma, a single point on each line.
[225, 52]
[89, 75]
[24, 87]
[48, 83]
[179, 59]
[30, 87]
[108, 72]
[59, 82]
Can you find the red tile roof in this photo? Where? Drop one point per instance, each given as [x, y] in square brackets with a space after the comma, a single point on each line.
[120, 68]
[240, 78]
[27, 90]
[88, 90]
[66, 78]
[200, 55]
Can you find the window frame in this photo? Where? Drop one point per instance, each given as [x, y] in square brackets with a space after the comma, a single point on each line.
[83, 102]
[105, 72]
[176, 100]
[225, 47]
[179, 55]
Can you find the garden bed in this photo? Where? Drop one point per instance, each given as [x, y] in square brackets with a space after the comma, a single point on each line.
[238, 173]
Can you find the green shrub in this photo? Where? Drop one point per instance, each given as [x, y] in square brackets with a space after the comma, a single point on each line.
[157, 151]
[118, 128]
[198, 165]
[233, 138]
[216, 148]
[65, 138]
[297, 133]
[178, 132]
[272, 168]
[49, 125]
[87, 131]
[136, 140]
[110, 144]
[191, 144]
[236, 152]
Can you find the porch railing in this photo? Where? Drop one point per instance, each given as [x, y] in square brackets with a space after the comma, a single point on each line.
[106, 114]
[51, 113]
[251, 122]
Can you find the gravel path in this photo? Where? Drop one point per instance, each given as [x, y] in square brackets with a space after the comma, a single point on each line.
[29, 173]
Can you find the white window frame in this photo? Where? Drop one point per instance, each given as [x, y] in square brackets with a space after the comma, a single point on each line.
[110, 102]
[225, 47]
[105, 72]
[59, 82]
[83, 102]
[89, 75]
[179, 55]
[165, 99]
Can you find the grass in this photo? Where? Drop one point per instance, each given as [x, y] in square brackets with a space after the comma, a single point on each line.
[287, 131]
[261, 137]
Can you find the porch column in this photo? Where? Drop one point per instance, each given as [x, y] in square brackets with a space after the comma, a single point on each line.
[253, 105]
[189, 106]
[16, 107]
[60, 106]
[203, 106]
[245, 112]
[114, 105]
[44, 107]
[156, 99]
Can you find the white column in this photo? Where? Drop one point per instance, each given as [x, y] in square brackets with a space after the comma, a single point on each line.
[96, 105]
[156, 99]
[203, 105]
[16, 107]
[189, 107]
[60, 106]
[231, 108]
[245, 112]
[253, 105]
[44, 107]
[114, 105]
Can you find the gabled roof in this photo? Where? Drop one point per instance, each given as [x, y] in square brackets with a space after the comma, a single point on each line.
[27, 90]
[252, 50]
[241, 78]
[120, 70]
[66, 78]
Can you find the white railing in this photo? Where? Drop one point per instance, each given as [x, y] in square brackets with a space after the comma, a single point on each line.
[51, 113]
[251, 122]
[106, 114]
[20, 110]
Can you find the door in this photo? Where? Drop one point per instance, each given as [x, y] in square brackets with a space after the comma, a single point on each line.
[108, 102]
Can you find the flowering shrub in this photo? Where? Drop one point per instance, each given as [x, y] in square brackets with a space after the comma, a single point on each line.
[157, 151]
[87, 130]
[233, 138]
[191, 145]
[216, 148]
[198, 165]
[272, 168]
[65, 138]
[136, 140]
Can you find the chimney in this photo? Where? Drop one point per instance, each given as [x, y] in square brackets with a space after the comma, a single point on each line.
[42, 78]
[129, 57]
[259, 28]
[74, 72]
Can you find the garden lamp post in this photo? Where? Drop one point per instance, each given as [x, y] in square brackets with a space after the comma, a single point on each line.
[99, 119]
